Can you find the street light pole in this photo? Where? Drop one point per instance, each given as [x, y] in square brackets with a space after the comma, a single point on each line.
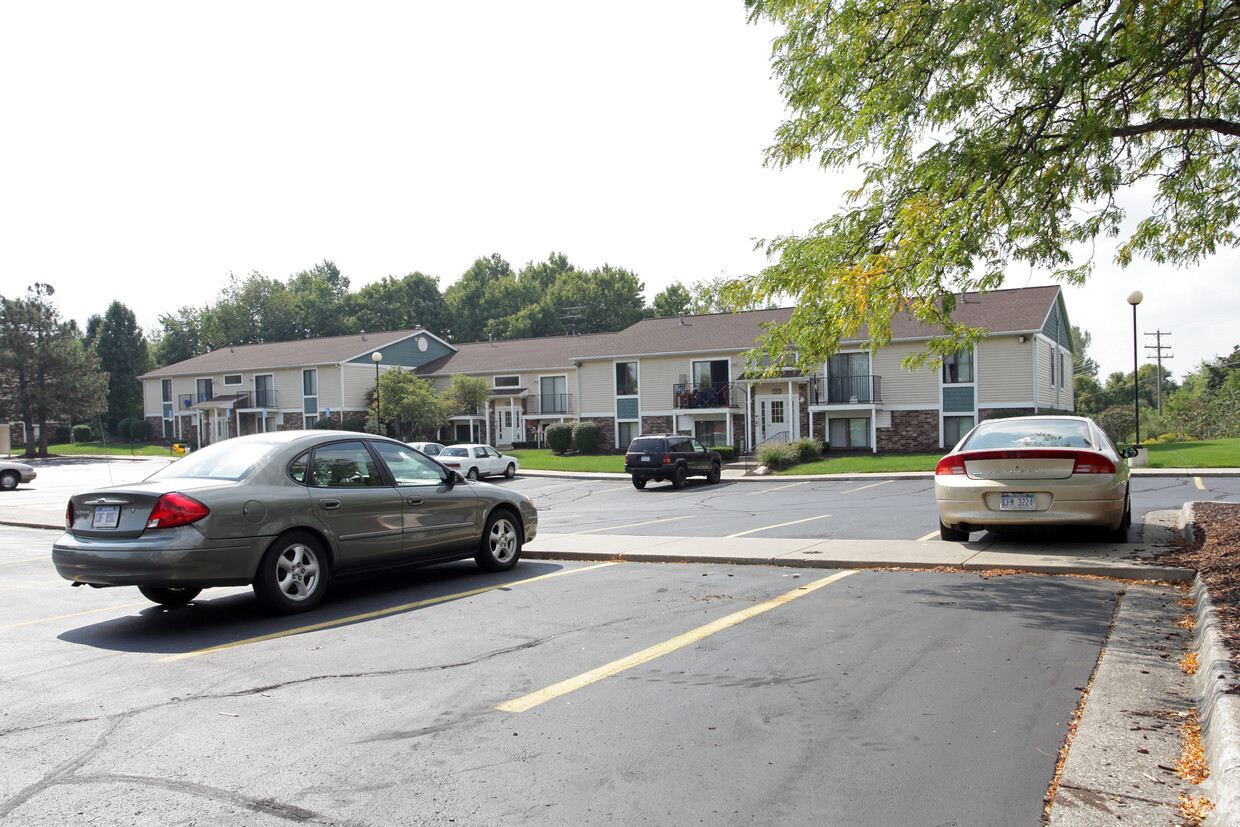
[377, 357]
[1134, 298]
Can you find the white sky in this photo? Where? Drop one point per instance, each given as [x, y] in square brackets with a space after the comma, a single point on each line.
[150, 149]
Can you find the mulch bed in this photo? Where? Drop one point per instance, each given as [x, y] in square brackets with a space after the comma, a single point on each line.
[1215, 554]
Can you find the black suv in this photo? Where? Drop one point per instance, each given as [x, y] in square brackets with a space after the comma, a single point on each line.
[670, 457]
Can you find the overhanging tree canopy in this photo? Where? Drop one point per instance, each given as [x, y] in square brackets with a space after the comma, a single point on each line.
[987, 134]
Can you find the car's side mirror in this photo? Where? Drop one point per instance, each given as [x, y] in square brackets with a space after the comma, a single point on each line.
[1129, 453]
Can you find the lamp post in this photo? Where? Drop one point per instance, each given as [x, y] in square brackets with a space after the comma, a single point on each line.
[378, 357]
[1134, 298]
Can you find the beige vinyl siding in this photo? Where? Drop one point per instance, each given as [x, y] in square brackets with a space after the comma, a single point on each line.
[598, 387]
[656, 376]
[1004, 373]
[153, 397]
[902, 387]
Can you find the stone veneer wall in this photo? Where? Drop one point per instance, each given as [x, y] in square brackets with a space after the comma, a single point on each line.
[656, 425]
[910, 431]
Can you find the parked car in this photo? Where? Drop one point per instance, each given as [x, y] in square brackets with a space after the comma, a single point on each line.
[477, 461]
[670, 457]
[285, 512]
[11, 473]
[1028, 471]
[431, 449]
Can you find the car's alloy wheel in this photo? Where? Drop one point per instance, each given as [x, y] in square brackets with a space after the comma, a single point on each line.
[510, 471]
[292, 576]
[168, 596]
[9, 480]
[500, 547]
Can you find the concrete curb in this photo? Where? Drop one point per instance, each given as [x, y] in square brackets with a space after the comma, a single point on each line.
[1218, 706]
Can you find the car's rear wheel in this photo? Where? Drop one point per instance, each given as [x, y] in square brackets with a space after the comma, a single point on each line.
[9, 480]
[713, 475]
[472, 475]
[639, 483]
[952, 535]
[678, 478]
[501, 542]
[292, 576]
[168, 596]
[510, 471]
[1120, 534]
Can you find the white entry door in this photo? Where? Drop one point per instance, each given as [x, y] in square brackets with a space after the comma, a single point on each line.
[774, 419]
[510, 425]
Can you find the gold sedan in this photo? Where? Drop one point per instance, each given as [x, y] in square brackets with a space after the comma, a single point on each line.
[1009, 474]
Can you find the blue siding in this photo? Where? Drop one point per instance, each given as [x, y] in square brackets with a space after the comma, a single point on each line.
[408, 354]
[627, 409]
[958, 399]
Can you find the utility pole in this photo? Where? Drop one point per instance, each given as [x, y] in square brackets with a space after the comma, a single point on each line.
[572, 315]
[1158, 349]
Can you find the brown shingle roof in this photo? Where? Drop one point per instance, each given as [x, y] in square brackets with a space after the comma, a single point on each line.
[328, 351]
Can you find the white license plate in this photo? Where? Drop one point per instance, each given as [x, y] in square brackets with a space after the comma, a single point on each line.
[1016, 502]
[645, 458]
[106, 516]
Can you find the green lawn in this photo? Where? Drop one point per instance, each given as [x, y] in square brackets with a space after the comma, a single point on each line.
[541, 459]
[867, 464]
[120, 449]
[1208, 453]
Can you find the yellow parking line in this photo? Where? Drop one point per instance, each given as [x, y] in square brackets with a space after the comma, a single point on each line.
[1200, 485]
[862, 488]
[777, 488]
[327, 624]
[929, 536]
[75, 614]
[778, 525]
[533, 699]
[27, 560]
[28, 585]
[633, 525]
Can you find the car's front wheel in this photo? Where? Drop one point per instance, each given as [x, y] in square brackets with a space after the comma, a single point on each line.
[292, 576]
[168, 596]
[952, 535]
[639, 483]
[9, 480]
[713, 475]
[500, 547]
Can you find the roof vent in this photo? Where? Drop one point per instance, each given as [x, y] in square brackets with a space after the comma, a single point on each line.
[363, 335]
[682, 318]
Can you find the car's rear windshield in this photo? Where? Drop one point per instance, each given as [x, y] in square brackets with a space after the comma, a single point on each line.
[229, 460]
[1029, 433]
[646, 446]
[454, 452]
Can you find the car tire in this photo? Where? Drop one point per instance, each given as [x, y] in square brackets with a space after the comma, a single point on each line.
[9, 480]
[715, 472]
[500, 547]
[639, 483]
[678, 478]
[510, 471]
[169, 596]
[1120, 534]
[292, 576]
[952, 535]
[472, 475]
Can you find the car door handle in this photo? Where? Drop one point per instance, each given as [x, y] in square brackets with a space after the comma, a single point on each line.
[329, 504]
[414, 501]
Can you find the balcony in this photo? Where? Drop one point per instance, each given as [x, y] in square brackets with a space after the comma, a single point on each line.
[706, 395]
[243, 400]
[549, 404]
[846, 390]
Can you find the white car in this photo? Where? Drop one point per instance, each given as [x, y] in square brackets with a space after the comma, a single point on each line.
[477, 461]
[11, 473]
[431, 449]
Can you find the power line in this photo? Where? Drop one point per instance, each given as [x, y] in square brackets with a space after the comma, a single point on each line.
[1158, 349]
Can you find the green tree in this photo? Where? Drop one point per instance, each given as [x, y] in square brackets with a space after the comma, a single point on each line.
[1082, 363]
[469, 393]
[672, 301]
[46, 373]
[412, 403]
[117, 340]
[179, 337]
[320, 297]
[399, 304]
[466, 298]
[988, 134]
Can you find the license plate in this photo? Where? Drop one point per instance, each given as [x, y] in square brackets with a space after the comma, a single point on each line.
[644, 458]
[106, 516]
[1016, 502]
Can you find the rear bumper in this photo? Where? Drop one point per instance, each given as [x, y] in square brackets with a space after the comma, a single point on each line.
[175, 558]
[1101, 513]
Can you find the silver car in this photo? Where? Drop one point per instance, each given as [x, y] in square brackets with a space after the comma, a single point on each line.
[284, 512]
[1033, 471]
[11, 473]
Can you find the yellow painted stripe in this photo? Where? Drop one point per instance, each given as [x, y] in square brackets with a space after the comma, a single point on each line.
[778, 525]
[777, 488]
[327, 624]
[862, 488]
[29, 585]
[27, 560]
[633, 525]
[533, 699]
[1200, 485]
[929, 536]
[75, 614]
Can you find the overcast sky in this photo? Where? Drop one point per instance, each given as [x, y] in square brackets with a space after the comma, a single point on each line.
[150, 149]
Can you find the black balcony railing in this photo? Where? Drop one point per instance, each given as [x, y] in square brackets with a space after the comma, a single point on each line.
[263, 399]
[705, 395]
[846, 390]
[541, 404]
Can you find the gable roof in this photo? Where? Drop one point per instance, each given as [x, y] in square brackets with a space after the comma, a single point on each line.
[296, 353]
[1016, 310]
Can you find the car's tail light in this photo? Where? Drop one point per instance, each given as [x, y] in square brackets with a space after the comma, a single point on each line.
[69, 515]
[950, 465]
[667, 459]
[175, 509]
[1088, 462]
